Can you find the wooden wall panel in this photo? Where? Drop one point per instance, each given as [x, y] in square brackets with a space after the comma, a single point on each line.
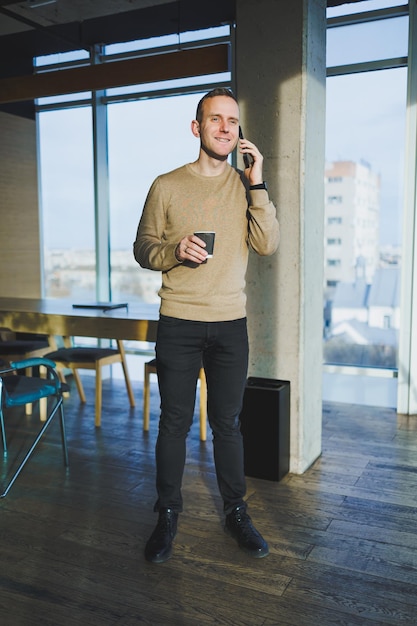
[184, 63]
[20, 273]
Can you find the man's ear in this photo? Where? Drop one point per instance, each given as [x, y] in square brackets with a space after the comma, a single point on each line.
[195, 128]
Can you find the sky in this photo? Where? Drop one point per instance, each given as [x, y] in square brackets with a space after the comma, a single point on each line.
[366, 112]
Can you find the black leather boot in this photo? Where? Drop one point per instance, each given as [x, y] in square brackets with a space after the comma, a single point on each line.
[159, 546]
[239, 526]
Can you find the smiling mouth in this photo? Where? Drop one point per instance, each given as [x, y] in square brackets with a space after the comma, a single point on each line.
[222, 139]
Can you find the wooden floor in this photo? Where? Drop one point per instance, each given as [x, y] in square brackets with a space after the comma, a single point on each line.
[342, 537]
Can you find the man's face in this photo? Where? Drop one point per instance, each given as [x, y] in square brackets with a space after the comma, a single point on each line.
[219, 127]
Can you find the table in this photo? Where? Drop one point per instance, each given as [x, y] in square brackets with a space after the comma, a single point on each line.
[58, 317]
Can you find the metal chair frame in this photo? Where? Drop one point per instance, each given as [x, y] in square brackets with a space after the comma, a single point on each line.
[17, 346]
[19, 390]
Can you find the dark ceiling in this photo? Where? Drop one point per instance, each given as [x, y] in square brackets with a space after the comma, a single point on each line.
[46, 26]
[31, 28]
[68, 24]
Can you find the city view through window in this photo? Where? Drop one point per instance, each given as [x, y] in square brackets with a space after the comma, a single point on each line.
[365, 139]
[362, 248]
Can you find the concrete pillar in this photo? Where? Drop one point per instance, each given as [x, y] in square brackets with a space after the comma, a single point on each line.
[280, 84]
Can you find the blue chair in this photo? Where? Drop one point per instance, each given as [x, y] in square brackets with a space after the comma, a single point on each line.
[19, 390]
[17, 346]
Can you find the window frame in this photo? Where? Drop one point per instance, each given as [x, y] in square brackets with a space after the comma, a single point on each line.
[408, 335]
[98, 101]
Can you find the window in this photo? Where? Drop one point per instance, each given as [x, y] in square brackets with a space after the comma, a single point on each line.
[137, 154]
[365, 146]
[374, 40]
[362, 6]
[89, 215]
[67, 184]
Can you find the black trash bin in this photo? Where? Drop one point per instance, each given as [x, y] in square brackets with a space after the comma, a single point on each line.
[265, 427]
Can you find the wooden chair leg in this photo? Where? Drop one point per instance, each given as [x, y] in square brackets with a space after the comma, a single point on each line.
[79, 386]
[99, 387]
[203, 405]
[126, 373]
[146, 398]
[29, 405]
[68, 343]
[43, 402]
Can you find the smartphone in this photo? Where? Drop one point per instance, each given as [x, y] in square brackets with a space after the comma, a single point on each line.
[247, 159]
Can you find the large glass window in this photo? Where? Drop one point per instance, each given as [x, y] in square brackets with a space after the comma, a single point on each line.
[146, 138]
[363, 6]
[365, 144]
[67, 187]
[148, 132]
[384, 39]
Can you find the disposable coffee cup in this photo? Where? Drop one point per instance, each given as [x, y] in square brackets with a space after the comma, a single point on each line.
[208, 237]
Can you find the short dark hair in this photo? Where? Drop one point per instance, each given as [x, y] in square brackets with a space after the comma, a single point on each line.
[218, 91]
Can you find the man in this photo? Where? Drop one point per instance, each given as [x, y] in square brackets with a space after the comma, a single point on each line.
[203, 309]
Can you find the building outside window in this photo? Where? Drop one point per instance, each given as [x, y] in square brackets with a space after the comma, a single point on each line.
[365, 148]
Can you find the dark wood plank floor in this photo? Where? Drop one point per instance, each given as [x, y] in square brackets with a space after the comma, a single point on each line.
[342, 537]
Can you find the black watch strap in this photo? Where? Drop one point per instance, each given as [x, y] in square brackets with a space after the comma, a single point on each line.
[260, 186]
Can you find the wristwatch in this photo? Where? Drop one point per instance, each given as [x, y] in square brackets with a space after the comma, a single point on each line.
[259, 186]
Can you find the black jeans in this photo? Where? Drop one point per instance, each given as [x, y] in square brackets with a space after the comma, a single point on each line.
[181, 347]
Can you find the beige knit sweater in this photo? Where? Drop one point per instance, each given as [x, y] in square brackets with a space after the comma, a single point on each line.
[182, 202]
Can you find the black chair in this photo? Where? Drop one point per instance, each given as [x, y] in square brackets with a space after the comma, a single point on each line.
[94, 358]
[14, 346]
[18, 390]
